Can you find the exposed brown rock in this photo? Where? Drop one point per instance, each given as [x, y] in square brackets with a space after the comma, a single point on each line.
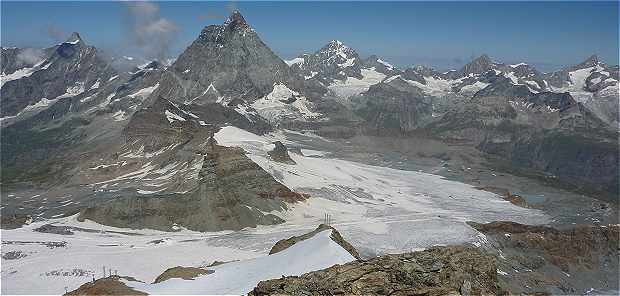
[579, 245]
[216, 263]
[335, 236]
[186, 273]
[545, 260]
[515, 199]
[438, 271]
[107, 286]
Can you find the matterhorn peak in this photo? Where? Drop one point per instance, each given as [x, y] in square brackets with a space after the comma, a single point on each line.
[483, 58]
[74, 38]
[236, 20]
[591, 61]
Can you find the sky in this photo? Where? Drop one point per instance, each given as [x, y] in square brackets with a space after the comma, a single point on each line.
[444, 35]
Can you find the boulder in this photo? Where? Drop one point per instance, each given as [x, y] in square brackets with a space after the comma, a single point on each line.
[280, 153]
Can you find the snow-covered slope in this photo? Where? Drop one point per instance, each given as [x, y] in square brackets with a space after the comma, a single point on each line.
[239, 278]
[353, 86]
[53, 262]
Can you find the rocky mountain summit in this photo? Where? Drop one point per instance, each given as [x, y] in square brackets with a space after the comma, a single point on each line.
[229, 61]
[334, 61]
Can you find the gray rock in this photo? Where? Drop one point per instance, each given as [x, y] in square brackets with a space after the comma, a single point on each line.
[280, 153]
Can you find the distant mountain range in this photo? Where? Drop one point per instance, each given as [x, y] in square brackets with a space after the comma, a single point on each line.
[75, 123]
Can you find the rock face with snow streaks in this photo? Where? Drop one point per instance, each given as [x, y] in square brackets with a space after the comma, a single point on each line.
[226, 62]
[71, 68]
[233, 193]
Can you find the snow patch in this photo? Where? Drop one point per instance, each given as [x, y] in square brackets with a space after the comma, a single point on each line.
[353, 86]
[172, 117]
[388, 65]
[274, 108]
[295, 61]
[145, 92]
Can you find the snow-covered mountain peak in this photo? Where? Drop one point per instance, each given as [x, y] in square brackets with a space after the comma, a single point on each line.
[334, 61]
[335, 49]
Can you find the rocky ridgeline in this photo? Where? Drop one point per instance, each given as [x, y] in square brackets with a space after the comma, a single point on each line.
[452, 270]
[233, 193]
[335, 236]
[545, 260]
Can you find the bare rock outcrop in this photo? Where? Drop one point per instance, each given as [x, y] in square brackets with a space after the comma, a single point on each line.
[453, 270]
[542, 259]
[335, 236]
[111, 285]
[280, 153]
[186, 273]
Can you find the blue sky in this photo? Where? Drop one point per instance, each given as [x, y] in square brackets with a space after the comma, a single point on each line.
[441, 34]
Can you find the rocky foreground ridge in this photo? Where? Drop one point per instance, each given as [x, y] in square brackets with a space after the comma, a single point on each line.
[511, 259]
[454, 270]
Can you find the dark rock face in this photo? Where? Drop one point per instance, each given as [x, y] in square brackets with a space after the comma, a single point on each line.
[233, 192]
[335, 236]
[479, 65]
[546, 131]
[583, 162]
[437, 271]
[73, 66]
[503, 87]
[393, 107]
[280, 153]
[546, 260]
[49, 228]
